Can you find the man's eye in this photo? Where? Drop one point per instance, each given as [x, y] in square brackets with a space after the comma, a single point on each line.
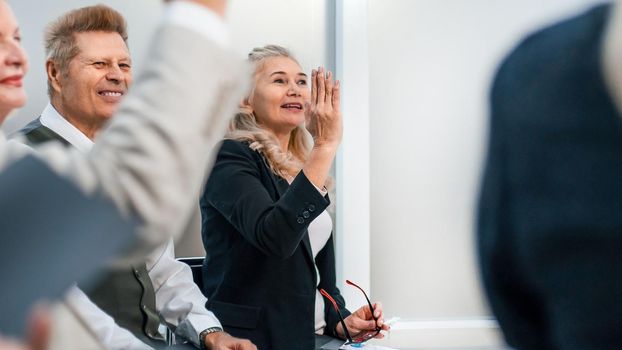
[99, 64]
[17, 38]
[125, 66]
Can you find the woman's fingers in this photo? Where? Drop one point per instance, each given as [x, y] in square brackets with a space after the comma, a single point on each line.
[321, 87]
[314, 87]
[377, 310]
[325, 92]
[308, 113]
[328, 99]
[358, 325]
[362, 319]
[324, 89]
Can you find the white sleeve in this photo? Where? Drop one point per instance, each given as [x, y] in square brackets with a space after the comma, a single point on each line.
[111, 335]
[199, 19]
[178, 299]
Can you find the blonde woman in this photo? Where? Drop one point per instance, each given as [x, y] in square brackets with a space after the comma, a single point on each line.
[265, 228]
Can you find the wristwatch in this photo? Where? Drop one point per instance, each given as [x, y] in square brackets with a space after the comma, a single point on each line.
[204, 334]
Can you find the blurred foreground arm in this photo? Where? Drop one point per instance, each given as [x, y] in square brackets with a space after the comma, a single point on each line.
[162, 142]
[218, 6]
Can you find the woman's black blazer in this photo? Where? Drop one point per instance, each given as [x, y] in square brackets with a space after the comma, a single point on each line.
[259, 274]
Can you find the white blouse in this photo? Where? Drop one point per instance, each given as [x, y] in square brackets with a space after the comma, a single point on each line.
[319, 233]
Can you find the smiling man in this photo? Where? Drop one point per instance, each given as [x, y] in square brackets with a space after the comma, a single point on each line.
[87, 88]
[89, 70]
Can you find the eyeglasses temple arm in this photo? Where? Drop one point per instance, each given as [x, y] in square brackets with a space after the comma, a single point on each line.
[343, 323]
[371, 307]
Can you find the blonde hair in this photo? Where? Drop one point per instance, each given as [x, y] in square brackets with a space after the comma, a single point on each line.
[244, 127]
[60, 42]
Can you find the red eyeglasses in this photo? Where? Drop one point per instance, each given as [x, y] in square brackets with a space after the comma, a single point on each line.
[362, 336]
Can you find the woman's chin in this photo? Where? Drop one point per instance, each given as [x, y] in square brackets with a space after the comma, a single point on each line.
[296, 122]
[9, 110]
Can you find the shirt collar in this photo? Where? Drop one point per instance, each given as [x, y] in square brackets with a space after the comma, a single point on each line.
[55, 122]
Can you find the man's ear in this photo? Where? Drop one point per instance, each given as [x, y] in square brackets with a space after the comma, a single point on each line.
[53, 71]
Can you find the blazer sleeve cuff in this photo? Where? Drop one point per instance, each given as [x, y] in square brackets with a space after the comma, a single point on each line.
[302, 183]
[304, 201]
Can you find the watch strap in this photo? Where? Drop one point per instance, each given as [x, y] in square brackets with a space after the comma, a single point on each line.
[205, 333]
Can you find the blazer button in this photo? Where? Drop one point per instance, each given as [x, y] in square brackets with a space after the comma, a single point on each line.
[311, 208]
[300, 220]
[305, 214]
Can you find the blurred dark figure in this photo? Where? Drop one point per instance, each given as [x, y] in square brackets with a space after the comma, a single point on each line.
[550, 212]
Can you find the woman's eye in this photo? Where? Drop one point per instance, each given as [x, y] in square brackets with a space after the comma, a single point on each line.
[302, 82]
[279, 81]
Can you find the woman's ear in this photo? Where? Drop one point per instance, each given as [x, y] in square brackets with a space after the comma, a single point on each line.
[245, 105]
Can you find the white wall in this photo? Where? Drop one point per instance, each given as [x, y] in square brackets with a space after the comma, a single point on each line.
[301, 26]
[431, 63]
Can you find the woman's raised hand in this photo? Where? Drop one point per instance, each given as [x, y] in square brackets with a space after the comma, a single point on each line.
[323, 120]
[323, 113]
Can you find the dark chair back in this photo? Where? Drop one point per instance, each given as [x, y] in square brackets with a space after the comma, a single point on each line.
[196, 265]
